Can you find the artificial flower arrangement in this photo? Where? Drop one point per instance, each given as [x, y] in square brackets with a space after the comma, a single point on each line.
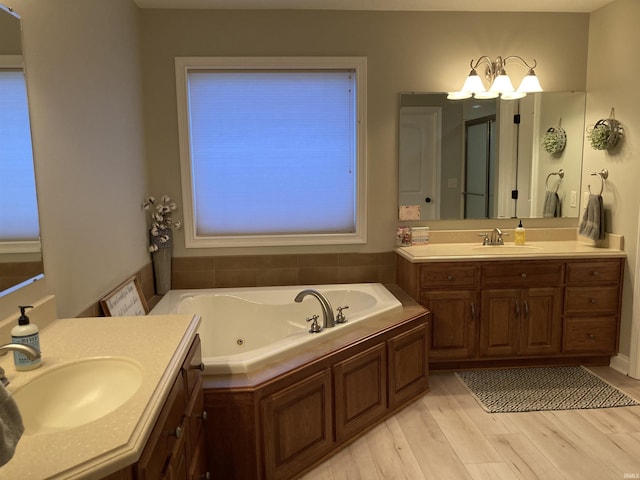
[554, 140]
[161, 222]
[604, 135]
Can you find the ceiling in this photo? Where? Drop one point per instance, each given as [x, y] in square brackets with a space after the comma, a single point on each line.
[408, 5]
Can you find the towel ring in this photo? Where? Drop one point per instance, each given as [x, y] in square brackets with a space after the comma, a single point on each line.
[560, 173]
[603, 174]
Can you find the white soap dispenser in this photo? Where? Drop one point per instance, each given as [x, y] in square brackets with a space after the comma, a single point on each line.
[28, 334]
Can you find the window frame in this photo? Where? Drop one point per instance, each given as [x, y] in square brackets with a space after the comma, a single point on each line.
[358, 65]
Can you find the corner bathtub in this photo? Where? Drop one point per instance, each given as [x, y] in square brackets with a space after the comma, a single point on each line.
[243, 329]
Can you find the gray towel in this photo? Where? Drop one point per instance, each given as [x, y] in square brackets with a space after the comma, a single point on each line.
[11, 427]
[551, 205]
[592, 224]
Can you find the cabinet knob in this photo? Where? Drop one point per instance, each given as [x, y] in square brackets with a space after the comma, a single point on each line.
[204, 415]
[199, 366]
[524, 275]
[178, 432]
[591, 336]
[595, 273]
[593, 300]
[205, 476]
[449, 277]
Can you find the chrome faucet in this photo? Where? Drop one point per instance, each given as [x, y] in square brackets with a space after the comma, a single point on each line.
[494, 238]
[328, 320]
[27, 350]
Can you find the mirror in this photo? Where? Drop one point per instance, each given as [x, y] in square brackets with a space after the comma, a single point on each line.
[20, 249]
[470, 159]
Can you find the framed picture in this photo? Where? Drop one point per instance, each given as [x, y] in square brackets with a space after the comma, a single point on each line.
[126, 300]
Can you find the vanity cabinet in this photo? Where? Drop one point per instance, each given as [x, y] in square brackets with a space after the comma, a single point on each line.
[174, 448]
[449, 292]
[521, 321]
[592, 305]
[529, 312]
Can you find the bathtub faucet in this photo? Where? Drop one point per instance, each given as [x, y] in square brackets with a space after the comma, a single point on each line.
[328, 320]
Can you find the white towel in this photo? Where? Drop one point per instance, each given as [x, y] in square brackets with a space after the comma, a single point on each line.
[11, 427]
[592, 224]
[551, 205]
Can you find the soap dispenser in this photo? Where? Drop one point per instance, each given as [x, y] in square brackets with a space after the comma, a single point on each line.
[28, 334]
[520, 234]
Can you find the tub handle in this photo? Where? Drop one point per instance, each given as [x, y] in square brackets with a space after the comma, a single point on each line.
[315, 326]
[340, 318]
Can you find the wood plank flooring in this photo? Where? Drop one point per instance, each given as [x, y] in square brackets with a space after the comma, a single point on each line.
[447, 435]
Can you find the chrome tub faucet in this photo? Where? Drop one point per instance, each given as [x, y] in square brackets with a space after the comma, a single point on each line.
[328, 320]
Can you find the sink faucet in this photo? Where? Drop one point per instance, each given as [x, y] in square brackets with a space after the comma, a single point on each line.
[30, 352]
[495, 238]
[328, 320]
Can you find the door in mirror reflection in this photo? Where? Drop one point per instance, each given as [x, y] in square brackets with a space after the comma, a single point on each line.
[479, 167]
[419, 168]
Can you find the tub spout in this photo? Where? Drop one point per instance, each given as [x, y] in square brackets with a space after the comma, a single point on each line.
[328, 320]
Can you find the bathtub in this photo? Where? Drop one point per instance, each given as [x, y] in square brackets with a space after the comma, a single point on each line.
[243, 329]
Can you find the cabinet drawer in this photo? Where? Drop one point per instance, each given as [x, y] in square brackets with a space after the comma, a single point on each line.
[522, 274]
[448, 275]
[595, 334]
[593, 272]
[591, 300]
[192, 367]
[164, 437]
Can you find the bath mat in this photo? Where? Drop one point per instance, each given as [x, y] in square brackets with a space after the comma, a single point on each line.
[546, 388]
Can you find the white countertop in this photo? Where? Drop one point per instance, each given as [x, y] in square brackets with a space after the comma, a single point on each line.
[508, 251]
[156, 343]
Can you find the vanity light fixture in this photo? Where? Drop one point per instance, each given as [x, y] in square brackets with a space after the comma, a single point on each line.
[496, 75]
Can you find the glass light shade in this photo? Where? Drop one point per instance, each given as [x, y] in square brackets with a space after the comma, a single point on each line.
[458, 95]
[486, 95]
[502, 84]
[513, 95]
[473, 83]
[530, 83]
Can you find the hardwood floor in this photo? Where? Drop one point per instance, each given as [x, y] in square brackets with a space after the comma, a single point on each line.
[447, 435]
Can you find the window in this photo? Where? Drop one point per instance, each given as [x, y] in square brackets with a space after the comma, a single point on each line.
[19, 226]
[272, 150]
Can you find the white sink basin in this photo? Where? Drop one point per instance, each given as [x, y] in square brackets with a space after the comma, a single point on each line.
[77, 393]
[506, 249]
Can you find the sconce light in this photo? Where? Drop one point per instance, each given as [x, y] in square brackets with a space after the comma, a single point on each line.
[499, 81]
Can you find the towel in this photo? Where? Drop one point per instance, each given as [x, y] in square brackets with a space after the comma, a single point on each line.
[11, 427]
[592, 224]
[551, 205]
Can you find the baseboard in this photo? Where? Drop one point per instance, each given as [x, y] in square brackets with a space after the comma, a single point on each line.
[620, 363]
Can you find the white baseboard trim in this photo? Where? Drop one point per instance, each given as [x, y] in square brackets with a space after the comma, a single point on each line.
[620, 363]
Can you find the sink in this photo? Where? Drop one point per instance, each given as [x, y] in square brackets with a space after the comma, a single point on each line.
[77, 393]
[506, 249]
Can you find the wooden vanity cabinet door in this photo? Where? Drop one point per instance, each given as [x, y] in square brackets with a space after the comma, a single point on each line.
[453, 322]
[499, 324]
[541, 321]
[166, 437]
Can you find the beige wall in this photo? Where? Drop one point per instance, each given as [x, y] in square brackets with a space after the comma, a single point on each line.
[406, 51]
[614, 43]
[83, 76]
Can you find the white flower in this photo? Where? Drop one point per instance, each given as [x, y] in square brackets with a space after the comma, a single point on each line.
[161, 221]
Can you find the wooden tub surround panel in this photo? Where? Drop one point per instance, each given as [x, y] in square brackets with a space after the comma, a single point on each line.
[282, 420]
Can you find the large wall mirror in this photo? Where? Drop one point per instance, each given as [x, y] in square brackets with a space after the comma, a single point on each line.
[20, 247]
[474, 159]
